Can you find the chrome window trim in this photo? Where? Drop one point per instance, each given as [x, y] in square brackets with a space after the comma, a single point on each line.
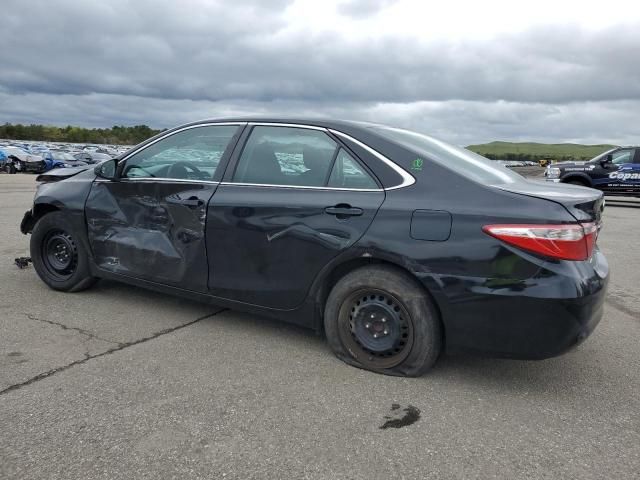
[289, 125]
[209, 124]
[156, 180]
[302, 187]
[407, 178]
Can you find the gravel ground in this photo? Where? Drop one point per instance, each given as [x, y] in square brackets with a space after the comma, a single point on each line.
[119, 382]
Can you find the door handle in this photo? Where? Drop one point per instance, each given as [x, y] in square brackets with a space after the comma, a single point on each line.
[191, 202]
[344, 211]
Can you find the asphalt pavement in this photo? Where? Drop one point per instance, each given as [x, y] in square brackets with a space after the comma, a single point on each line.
[119, 382]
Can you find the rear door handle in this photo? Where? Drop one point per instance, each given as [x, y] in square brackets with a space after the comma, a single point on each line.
[191, 202]
[344, 211]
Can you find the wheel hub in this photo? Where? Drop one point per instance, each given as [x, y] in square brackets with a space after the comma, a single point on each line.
[60, 253]
[375, 324]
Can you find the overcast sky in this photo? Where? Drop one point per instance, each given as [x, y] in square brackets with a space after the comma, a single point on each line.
[467, 72]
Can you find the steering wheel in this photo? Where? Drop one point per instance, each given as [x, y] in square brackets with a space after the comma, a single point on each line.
[181, 170]
[139, 168]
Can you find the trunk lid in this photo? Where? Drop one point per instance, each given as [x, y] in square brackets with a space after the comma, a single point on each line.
[583, 203]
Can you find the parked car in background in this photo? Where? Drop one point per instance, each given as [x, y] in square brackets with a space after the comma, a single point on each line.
[60, 159]
[615, 172]
[3, 160]
[92, 157]
[19, 160]
[395, 244]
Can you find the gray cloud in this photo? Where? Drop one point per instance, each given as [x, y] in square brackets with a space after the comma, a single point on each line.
[363, 8]
[461, 122]
[121, 62]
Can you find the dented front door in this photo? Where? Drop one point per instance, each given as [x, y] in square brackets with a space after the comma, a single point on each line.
[151, 229]
[149, 223]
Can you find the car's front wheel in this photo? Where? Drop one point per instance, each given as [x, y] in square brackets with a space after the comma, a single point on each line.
[580, 183]
[380, 319]
[58, 256]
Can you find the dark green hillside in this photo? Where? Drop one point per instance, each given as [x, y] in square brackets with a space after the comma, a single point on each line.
[538, 151]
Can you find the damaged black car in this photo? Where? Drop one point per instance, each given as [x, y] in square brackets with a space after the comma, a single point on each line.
[396, 245]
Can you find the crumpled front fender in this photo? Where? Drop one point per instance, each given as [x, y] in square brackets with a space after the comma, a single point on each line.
[27, 223]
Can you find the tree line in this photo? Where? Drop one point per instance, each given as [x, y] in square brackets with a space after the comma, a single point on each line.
[116, 135]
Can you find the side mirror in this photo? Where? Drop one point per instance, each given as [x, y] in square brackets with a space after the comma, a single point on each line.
[607, 159]
[107, 169]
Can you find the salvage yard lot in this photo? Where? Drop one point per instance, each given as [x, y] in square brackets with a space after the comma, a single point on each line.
[119, 382]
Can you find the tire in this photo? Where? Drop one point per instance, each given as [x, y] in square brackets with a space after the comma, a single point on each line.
[58, 256]
[577, 182]
[9, 168]
[378, 318]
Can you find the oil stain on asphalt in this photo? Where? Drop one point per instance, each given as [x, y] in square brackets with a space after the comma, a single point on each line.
[399, 418]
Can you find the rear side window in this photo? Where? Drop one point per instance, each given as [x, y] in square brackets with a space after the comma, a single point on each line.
[286, 156]
[347, 173]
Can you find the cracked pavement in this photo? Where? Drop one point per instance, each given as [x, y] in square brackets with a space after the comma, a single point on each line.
[118, 382]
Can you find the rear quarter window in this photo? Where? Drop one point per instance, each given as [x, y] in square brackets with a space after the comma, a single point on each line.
[460, 160]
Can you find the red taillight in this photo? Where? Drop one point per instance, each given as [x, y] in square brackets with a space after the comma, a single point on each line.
[565, 242]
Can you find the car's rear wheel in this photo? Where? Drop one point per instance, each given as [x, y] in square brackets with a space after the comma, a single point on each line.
[378, 318]
[58, 257]
[10, 168]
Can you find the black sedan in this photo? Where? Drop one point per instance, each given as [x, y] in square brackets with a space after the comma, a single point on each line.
[396, 245]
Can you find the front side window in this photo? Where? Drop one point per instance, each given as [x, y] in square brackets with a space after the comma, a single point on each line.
[286, 156]
[347, 173]
[622, 156]
[192, 154]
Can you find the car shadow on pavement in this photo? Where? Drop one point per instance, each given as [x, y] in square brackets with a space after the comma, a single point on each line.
[253, 324]
[622, 204]
[568, 374]
[512, 376]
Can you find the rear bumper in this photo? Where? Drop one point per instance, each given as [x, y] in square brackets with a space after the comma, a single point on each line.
[536, 318]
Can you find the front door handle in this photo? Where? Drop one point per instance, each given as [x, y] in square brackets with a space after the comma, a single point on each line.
[191, 202]
[344, 211]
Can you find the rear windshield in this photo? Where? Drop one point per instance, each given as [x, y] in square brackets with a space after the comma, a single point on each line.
[461, 160]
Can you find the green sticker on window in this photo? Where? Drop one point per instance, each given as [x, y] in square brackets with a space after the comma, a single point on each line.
[417, 164]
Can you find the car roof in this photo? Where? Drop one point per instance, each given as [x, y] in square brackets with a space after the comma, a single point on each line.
[317, 121]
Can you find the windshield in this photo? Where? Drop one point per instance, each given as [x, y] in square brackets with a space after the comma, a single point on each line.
[601, 156]
[461, 160]
[14, 151]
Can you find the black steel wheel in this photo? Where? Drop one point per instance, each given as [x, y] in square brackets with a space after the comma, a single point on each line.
[58, 254]
[379, 325]
[379, 318]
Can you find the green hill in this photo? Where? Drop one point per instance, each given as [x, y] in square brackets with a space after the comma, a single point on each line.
[538, 151]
